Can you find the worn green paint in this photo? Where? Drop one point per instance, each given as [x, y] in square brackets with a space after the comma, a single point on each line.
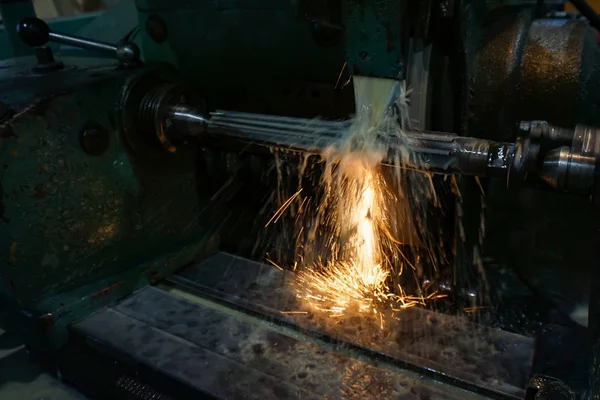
[234, 49]
[80, 227]
[54, 315]
[75, 223]
[72, 24]
[76, 218]
[44, 325]
[11, 45]
[12, 13]
[373, 37]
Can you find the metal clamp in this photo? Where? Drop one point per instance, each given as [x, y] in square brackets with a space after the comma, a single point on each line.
[36, 33]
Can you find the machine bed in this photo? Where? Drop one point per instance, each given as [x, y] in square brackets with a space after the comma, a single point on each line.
[220, 329]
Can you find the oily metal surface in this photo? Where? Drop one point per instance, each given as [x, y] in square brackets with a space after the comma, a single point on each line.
[496, 85]
[232, 357]
[530, 69]
[550, 71]
[493, 359]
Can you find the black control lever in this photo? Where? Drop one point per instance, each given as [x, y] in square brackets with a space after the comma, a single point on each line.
[36, 33]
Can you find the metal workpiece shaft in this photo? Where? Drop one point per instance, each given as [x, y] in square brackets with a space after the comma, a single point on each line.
[565, 159]
[450, 154]
[294, 133]
[430, 151]
[298, 135]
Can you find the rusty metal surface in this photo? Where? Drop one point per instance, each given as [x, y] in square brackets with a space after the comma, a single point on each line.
[70, 218]
[206, 370]
[236, 357]
[470, 354]
[84, 221]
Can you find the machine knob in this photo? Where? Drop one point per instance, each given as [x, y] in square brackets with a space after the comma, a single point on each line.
[35, 33]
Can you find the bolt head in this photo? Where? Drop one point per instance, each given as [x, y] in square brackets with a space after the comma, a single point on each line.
[95, 140]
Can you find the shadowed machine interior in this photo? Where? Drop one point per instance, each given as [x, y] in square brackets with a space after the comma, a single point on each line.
[307, 199]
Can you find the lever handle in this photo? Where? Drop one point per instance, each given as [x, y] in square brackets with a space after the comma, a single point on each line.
[35, 33]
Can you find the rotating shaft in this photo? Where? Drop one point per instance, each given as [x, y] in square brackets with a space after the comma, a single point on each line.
[431, 151]
[565, 159]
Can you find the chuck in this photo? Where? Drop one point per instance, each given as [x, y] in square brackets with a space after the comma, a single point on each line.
[173, 113]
